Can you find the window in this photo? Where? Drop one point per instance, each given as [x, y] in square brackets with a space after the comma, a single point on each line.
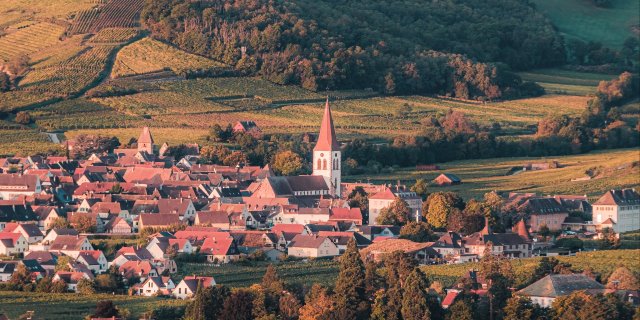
[319, 164]
[324, 164]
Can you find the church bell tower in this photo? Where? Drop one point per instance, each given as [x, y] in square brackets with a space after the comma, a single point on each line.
[327, 155]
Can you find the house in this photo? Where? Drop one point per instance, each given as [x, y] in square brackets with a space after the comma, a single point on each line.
[246, 127]
[71, 278]
[511, 245]
[346, 214]
[388, 195]
[341, 239]
[47, 215]
[620, 208]
[216, 219]
[220, 249]
[117, 225]
[30, 231]
[12, 211]
[15, 185]
[182, 207]
[447, 179]
[152, 286]
[451, 247]
[532, 166]
[93, 259]
[12, 244]
[34, 267]
[46, 259]
[371, 232]
[189, 285]
[312, 246]
[6, 270]
[291, 187]
[139, 269]
[70, 245]
[544, 212]
[422, 252]
[54, 233]
[157, 220]
[544, 291]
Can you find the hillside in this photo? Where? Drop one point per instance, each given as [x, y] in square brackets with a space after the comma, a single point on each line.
[587, 22]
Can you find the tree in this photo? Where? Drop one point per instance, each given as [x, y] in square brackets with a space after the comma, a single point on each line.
[609, 239]
[415, 297]
[238, 306]
[372, 280]
[5, 82]
[318, 304]
[105, 309]
[86, 145]
[623, 279]
[86, 286]
[84, 223]
[461, 309]
[416, 231]
[207, 303]
[350, 291]
[59, 223]
[214, 154]
[20, 277]
[521, 308]
[580, 305]
[63, 263]
[360, 199]
[397, 213]
[271, 280]
[23, 117]
[289, 307]
[421, 188]
[235, 158]
[438, 207]
[287, 163]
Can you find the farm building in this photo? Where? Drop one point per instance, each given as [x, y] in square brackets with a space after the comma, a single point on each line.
[447, 179]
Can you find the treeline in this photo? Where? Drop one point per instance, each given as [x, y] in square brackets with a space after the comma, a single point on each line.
[395, 47]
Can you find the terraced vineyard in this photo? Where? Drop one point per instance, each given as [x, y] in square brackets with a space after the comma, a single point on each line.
[115, 13]
[29, 39]
[81, 114]
[70, 76]
[482, 176]
[148, 55]
[25, 142]
[114, 35]
[558, 81]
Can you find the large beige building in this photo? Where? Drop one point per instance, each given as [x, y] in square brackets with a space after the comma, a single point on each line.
[619, 208]
[387, 195]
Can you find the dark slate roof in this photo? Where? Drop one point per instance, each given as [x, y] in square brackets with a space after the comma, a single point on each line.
[556, 285]
[12, 212]
[544, 206]
[7, 267]
[452, 177]
[33, 266]
[449, 240]
[315, 228]
[230, 192]
[619, 197]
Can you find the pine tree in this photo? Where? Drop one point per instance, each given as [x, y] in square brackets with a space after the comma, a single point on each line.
[271, 280]
[350, 291]
[461, 310]
[415, 304]
[318, 304]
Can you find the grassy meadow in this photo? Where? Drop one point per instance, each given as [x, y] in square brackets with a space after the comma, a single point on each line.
[486, 175]
[582, 20]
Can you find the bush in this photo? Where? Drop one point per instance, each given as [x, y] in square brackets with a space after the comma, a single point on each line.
[23, 118]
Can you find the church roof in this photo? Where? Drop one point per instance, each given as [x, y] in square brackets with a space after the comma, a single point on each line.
[145, 136]
[327, 138]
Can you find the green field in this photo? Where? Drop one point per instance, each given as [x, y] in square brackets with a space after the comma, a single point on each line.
[558, 81]
[482, 176]
[581, 19]
[67, 306]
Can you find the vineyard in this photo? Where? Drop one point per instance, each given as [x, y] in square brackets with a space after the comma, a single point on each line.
[70, 76]
[115, 13]
[25, 142]
[160, 103]
[602, 262]
[482, 176]
[29, 40]
[566, 82]
[237, 275]
[12, 100]
[148, 55]
[114, 35]
[70, 306]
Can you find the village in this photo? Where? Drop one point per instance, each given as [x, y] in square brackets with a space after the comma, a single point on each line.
[51, 207]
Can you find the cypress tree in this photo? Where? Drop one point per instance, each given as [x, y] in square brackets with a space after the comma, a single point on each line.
[415, 304]
[350, 291]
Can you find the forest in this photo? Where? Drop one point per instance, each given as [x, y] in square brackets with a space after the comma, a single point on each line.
[464, 48]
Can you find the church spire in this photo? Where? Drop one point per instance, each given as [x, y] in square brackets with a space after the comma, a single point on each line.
[327, 138]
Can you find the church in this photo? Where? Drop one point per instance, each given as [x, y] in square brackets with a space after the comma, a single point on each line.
[326, 177]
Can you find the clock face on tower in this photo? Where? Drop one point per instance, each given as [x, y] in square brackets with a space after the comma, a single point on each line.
[322, 154]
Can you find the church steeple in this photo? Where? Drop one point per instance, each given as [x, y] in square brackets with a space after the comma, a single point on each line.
[327, 139]
[327, 157]
[145, 141]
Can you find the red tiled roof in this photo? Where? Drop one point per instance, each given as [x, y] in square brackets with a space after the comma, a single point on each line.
[386, 194]
[291, 228]
[145, 136]
[327, 139]
[353, 214]
[448, 300]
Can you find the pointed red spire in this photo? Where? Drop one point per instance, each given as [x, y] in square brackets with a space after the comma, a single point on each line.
[327, 138]
[145, 136]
